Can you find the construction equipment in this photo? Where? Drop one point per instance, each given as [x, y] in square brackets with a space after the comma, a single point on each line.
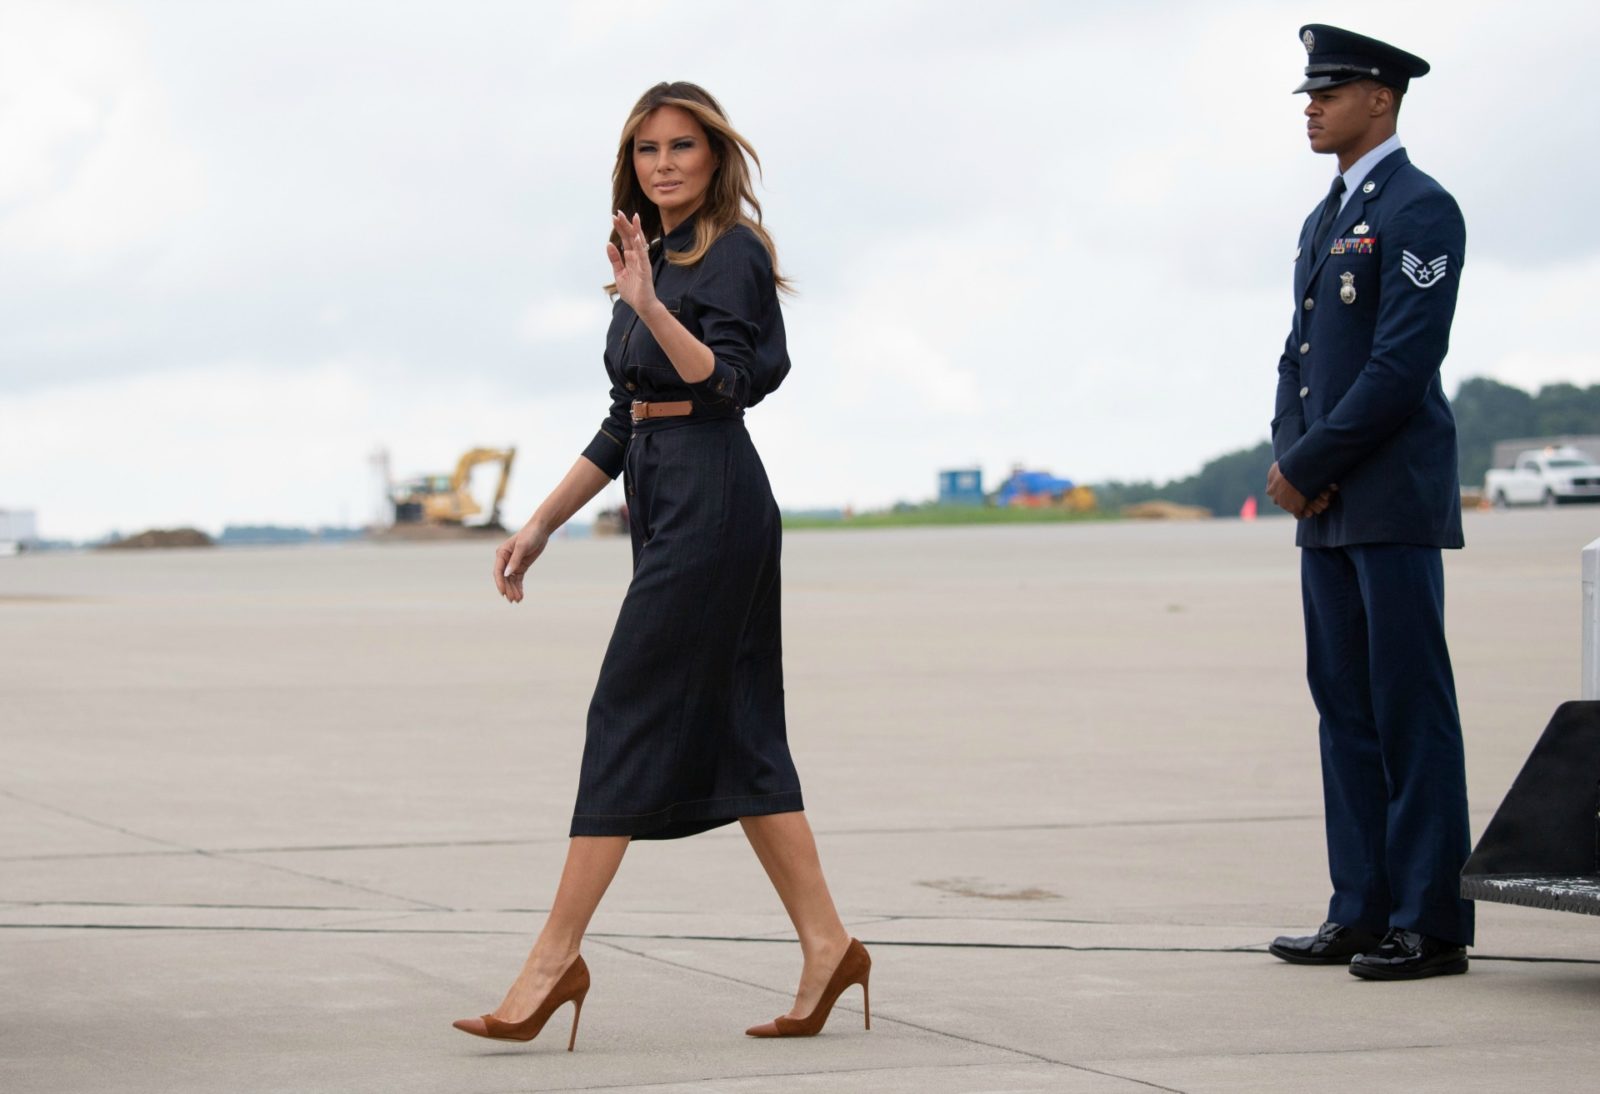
[611, 522]
[1042, 490]
[447, 499]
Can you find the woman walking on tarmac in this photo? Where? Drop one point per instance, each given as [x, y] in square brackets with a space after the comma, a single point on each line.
[686, 728]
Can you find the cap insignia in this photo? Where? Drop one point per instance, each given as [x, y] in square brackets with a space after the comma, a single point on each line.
[1309, 40]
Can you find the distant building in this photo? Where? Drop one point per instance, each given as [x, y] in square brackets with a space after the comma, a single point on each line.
[963, 486]
[382, 512]
[19, 528]
[1506, 452]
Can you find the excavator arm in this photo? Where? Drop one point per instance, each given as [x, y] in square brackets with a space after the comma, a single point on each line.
[455, 505]
[500, 491]
[464, 466]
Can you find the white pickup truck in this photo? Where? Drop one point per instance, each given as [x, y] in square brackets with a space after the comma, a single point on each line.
[1544, 476]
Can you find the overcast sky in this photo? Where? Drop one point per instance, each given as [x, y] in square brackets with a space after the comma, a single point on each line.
[243, 244]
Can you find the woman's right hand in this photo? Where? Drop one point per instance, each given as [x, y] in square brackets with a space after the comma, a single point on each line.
[515, 556]
[630, 263]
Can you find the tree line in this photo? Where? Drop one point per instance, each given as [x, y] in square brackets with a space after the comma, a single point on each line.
[1486, 411]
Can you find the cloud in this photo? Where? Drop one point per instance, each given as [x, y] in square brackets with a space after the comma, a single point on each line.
[1527, 327]
[566, 316]
[93, 167]
[1056, 234]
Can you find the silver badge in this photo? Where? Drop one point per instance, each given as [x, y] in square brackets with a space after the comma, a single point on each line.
[1347, 287]
[1309, 40]
[1362, 229]
[1369, 187]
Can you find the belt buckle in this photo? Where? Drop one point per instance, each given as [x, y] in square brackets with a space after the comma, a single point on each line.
[638, 406]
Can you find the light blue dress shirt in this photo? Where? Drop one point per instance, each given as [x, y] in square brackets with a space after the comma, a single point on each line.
[1359, 169]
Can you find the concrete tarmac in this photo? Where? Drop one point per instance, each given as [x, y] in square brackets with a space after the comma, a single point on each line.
[271, 819]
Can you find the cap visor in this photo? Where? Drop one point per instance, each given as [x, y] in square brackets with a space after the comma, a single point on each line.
[1322, 83]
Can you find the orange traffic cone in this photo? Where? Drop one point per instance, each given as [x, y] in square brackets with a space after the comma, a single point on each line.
[1247, 511]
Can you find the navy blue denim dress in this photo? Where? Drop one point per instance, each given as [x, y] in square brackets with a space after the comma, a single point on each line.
[686, 729]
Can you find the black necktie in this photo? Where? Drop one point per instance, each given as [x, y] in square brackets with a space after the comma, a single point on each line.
[1330, 209]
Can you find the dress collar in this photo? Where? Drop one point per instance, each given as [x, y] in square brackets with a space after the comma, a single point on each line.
[680, 237]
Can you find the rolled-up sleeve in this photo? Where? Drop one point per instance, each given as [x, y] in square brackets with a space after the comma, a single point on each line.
[734, 299]
[605, 451]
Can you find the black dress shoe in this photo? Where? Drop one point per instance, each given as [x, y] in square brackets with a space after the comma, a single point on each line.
[1333, 944]
[1408, 955]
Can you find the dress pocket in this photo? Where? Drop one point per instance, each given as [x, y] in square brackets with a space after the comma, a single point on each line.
[648, 353]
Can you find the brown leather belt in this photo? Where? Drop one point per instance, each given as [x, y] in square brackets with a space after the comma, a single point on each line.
[643, 410]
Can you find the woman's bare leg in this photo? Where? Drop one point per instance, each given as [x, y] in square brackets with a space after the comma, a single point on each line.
[787, 850]
[592, 862]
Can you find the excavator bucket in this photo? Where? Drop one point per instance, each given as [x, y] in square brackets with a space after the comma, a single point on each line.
[1542, 849]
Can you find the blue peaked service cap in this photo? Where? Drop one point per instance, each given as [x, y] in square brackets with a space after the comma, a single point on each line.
[1335, 56]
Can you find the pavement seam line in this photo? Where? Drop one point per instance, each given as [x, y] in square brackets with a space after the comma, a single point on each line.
[871, 918]
[426, 905]
[977, 829]
[760, 1075]
[49, 808]
[1040, 947]
[903, 1022]
[196, 905]
[221, 856]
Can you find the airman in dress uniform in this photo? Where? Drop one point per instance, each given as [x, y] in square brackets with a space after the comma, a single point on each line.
[1365, 449]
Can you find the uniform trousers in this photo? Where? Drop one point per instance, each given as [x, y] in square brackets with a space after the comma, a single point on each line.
[1393, 768]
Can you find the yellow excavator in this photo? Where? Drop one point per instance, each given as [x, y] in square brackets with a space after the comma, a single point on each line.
[447, 499]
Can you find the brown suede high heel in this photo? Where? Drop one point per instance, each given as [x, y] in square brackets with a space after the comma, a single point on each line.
[571, 988]
[854, 968]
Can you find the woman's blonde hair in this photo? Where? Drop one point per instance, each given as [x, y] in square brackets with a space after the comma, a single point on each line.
[730, 198]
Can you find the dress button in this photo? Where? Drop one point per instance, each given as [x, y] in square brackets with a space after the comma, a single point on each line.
[1304, 392]
[632, 386]
[1310, 303]
[1305, 347]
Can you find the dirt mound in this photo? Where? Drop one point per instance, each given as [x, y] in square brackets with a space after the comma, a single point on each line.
[162, 537]
[434, 533]
[1165, 510]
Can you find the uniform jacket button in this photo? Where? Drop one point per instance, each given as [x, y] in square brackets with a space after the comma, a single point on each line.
[1305, 347]
[1310, 303]
[1304, 392]
[632, 386]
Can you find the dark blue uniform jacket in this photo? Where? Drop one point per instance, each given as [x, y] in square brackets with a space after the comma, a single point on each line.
[1360, 402]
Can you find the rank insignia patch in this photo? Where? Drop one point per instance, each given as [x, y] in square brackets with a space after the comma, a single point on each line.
[1424, 275]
